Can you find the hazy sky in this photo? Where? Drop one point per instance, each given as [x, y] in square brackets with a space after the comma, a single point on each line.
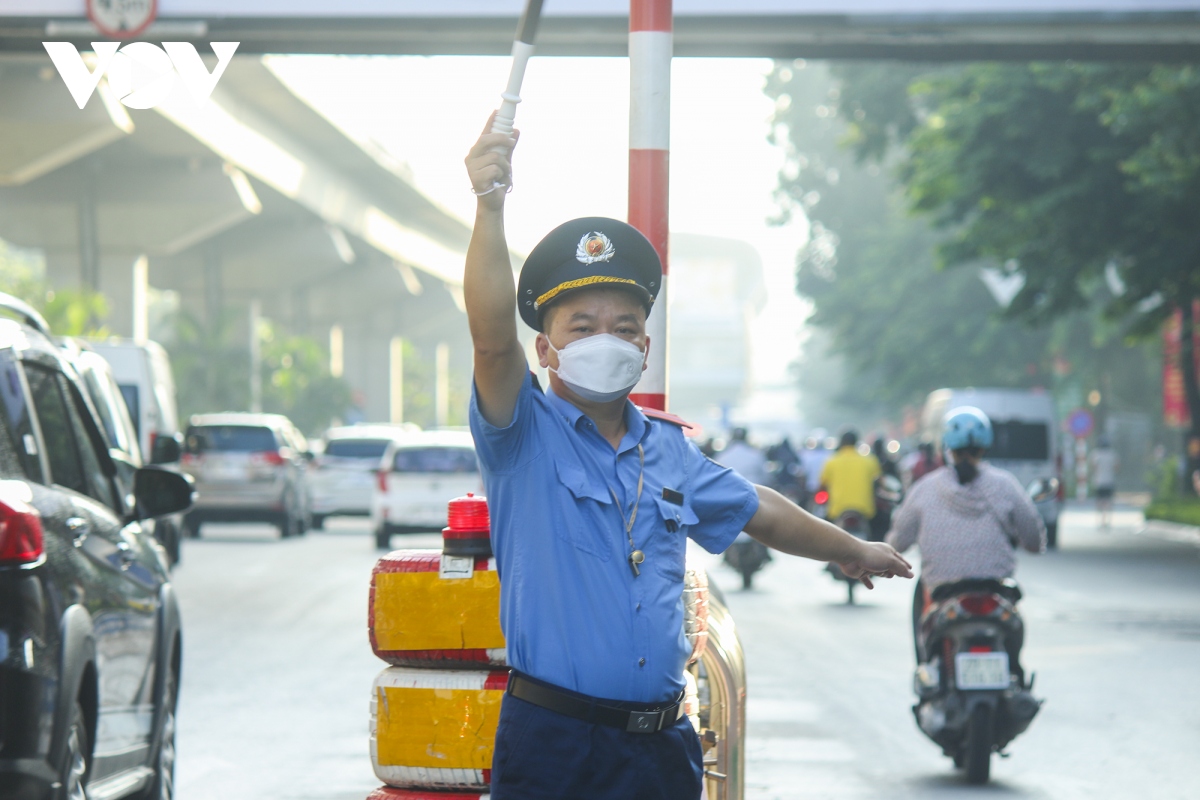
[572, 160]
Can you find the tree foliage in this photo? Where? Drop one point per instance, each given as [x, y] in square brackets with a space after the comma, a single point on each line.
[1071, 175]
[69, 312]
[868, 143]
[212, 372]
[1080, 178]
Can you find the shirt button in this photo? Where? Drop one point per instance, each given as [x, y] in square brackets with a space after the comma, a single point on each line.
[641, 662]
[639, 606]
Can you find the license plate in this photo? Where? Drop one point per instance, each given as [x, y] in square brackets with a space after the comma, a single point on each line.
[981, 670]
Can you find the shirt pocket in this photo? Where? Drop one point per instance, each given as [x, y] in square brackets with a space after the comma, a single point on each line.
[668, 541]
[588, 514]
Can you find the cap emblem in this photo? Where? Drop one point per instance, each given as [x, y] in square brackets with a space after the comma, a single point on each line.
[594, 247]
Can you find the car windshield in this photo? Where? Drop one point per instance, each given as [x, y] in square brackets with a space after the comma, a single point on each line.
[357, 448]
[1020, 441]
[230, 438]
[435, 459]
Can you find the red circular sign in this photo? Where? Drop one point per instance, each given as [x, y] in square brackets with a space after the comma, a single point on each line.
[122, 19]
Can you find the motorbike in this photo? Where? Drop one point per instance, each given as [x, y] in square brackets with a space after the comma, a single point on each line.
[747, 555]
[972, 695]
[854, 523]
[787, 478]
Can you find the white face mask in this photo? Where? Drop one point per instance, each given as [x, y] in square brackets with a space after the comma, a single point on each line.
[600, 368]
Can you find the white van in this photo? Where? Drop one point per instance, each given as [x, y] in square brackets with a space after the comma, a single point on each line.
[1025, 428]
[143, 373]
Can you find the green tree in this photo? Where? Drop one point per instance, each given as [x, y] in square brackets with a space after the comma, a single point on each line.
[69, 312]
[420, 394]
[296, 381]
[211, 366]
[1083, 179]
[212, 372]
[875, 273]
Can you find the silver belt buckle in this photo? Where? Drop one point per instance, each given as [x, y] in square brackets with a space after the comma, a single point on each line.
[644, 721]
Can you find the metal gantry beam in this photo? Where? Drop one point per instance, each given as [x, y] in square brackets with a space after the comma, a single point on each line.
[895, 29]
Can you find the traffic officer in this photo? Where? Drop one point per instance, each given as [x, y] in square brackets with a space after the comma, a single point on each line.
[591, 501]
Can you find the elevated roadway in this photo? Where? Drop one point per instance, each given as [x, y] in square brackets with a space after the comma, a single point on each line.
[257, 198]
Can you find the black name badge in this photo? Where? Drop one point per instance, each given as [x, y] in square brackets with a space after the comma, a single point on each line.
[672, 496]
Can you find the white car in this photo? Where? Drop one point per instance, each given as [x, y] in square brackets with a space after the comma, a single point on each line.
[342, 477]
[417, 477]
[143, 373]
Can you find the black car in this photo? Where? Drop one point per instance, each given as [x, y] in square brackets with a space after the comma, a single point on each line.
[90, 638]
[112, 414]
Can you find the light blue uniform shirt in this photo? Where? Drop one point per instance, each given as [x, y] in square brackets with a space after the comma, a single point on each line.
[572, 612]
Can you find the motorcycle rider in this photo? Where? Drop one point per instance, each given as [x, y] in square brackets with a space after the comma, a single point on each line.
[882, 521]
[743, 458]
[746, 554]
[849, 477]
[967, 518]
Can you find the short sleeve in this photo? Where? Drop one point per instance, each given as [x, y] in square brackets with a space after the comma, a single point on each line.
[502, 450]
[722, 500]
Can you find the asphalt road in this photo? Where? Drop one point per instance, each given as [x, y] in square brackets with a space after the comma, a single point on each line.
[277, 673]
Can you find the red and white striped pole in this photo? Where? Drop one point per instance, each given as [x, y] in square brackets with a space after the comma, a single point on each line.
[650, 44]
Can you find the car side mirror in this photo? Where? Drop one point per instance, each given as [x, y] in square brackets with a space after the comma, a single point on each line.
[167, 449]
[1043, 489]
[160, 491]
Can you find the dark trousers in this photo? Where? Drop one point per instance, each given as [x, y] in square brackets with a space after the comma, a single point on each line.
[543, 755]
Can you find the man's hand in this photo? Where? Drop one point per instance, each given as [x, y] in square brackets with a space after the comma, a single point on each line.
[490, 163]
[877, 560]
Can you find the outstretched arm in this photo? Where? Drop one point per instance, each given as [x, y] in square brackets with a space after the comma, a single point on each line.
[488, 288]
[784, 526]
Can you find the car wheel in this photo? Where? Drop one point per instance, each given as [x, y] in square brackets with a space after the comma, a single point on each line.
[74, 769]
[163, 787]
[318, 522]
[383, 537]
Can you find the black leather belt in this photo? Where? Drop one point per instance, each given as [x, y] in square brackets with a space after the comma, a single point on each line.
[650, 719]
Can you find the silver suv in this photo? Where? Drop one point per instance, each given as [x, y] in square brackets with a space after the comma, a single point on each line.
[248, 468]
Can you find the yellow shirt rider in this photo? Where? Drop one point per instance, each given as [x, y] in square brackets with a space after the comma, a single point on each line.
[849, 477]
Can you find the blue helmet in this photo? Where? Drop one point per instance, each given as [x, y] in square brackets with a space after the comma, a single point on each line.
[966, 426]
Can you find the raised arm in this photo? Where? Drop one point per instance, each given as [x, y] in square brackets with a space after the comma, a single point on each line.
[488, 288]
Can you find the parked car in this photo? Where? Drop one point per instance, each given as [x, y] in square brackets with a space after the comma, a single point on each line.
[90, 631]
[342, 475]
[248, 468]
[1025, 427]
[143, 373]
[417, 476]
[117, 427]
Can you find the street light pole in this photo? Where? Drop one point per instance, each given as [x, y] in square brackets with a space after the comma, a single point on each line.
[650, 46]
